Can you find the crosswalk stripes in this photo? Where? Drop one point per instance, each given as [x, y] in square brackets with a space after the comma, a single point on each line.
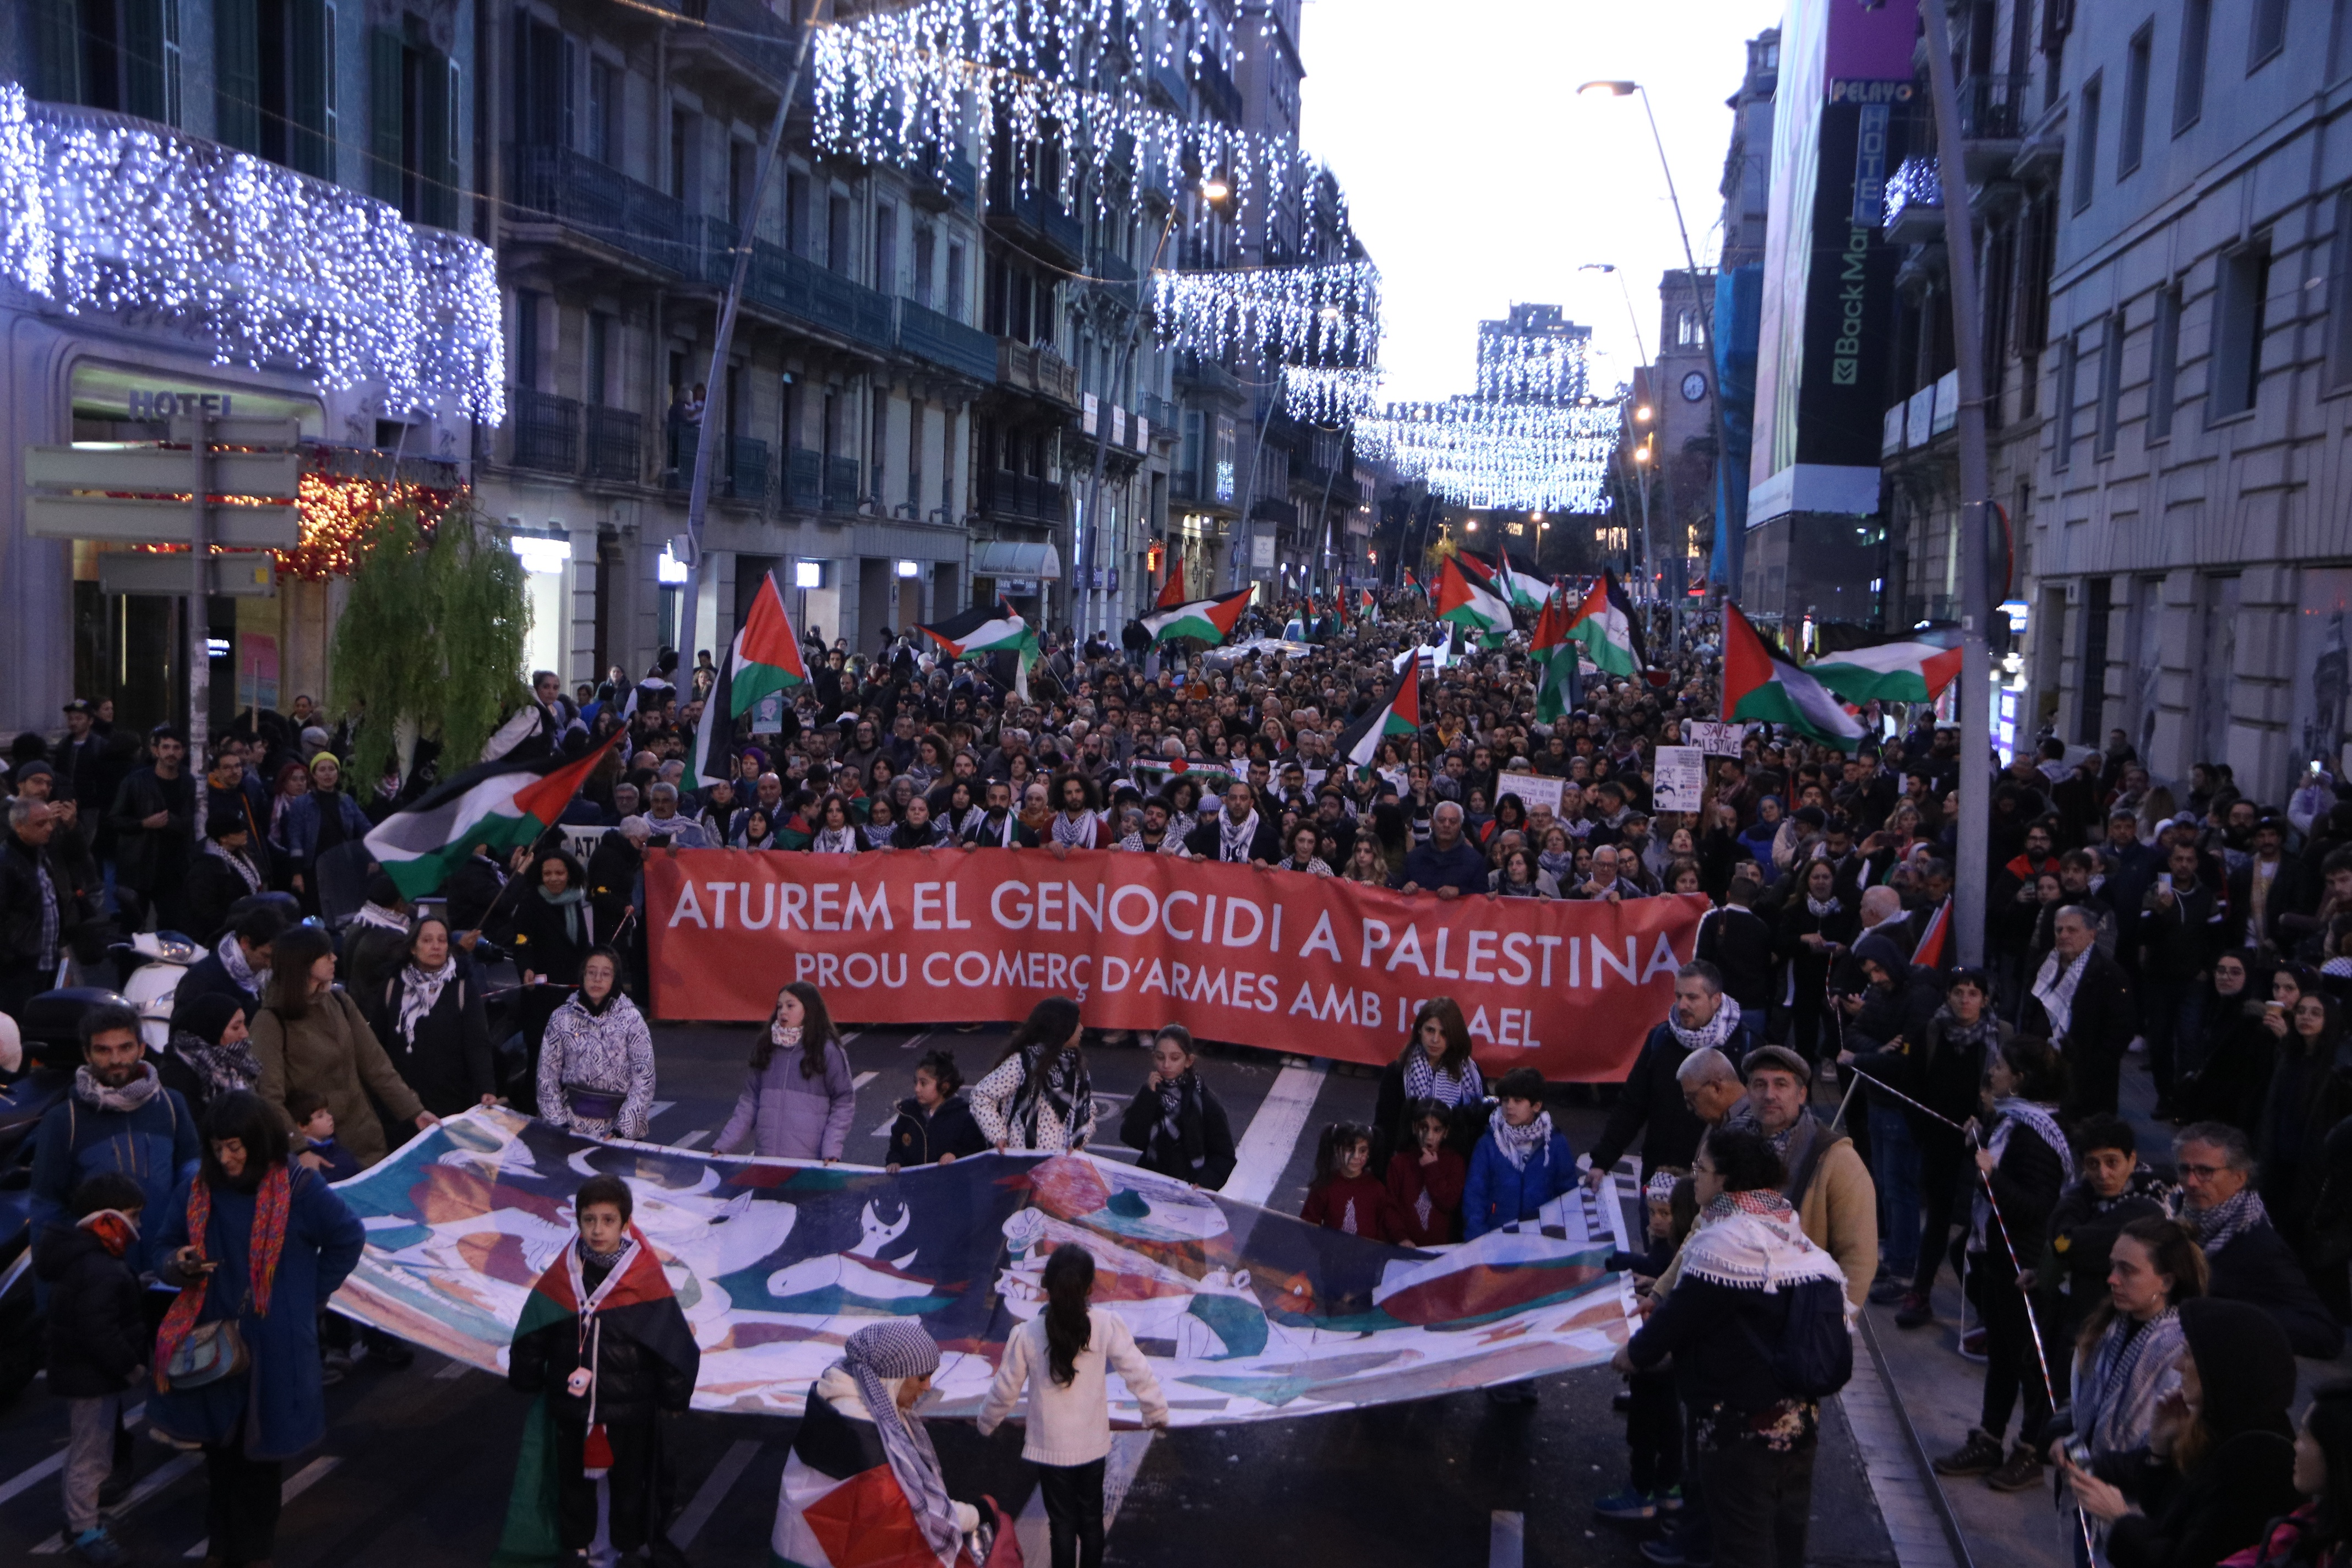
[1507, 1539]
[1264, 1150]
[713, 1490]
[691, 1138]
[25, 1480]
[164, 1476]
[300, 1481]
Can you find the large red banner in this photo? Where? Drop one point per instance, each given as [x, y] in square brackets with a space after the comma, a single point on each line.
[1276, 959]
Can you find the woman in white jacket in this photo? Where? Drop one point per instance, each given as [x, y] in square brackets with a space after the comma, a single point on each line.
[1063, 1357]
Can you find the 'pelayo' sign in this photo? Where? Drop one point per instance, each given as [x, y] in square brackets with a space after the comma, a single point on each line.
[1277, 959]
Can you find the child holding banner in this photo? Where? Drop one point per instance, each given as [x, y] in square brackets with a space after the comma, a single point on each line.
[1038, 1098]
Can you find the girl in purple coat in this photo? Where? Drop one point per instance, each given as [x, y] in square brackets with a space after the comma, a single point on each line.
[798, 1099]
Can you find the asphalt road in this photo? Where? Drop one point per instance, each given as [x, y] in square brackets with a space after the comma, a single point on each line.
[415, 1466]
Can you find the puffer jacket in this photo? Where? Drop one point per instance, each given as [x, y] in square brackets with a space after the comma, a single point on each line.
[918, 1138]
[1495, 1194]
[784, 1115]
[97, 1330]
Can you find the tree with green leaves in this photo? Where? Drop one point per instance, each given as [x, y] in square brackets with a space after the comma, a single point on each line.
[431, 638]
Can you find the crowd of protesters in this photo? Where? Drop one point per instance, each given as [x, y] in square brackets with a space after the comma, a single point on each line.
[1831, 1096]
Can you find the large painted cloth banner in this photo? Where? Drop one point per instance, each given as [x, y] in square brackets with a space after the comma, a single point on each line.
[1277, 959]
[1246, 1314]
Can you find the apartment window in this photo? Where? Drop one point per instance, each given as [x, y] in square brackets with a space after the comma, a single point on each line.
[604, 113]
[2239, 306]
[742, 167]
[2111, 383]
[838, 233]
[685, 160]
[413, 98]
[2269, 33]
[2086, 143]
[2189, 87]
[876, 448]
[2339, 303]
[526, 360]
[796, 214]
[926, 255]
[885, 248]
[918, 416]
[2135, 125]
[2062, 451]
[2098, 613]
[596, 379]
[2163, 362]
[954, 289]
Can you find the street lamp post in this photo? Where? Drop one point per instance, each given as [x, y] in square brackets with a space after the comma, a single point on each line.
[1706, 315]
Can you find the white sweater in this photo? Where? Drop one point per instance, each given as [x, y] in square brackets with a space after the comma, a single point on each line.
[1071, 1425]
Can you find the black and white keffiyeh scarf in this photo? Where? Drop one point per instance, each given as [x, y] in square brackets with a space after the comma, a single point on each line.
[382, 918]
[2054, 986]
[248, 872]
[1078, 832]
[2226, 1221]
[251, 981]
[1517, 1144]
[1178, 1134]
[1061, 1085]
[2009, 1115]
[1710, 1035]
[420, 988]
[1822, 909]
[1236, 838]
[835, 841]
[1424, 1079]
[886, 1351]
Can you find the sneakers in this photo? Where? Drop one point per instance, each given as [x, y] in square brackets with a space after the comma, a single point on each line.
[1670, 1500]
[2023, 1473]
[1667, 1552]
[95, 1545]
[1888, 1290]
[1627, 1504]
[1916, 1311]
[1979, 1456]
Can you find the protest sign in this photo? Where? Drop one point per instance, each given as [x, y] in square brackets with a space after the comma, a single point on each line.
[1718, 740]
[1277, 959]
[1532, 789]
[1681, 779]
[1244, 1314]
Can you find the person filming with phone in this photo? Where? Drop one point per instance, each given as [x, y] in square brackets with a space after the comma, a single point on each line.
[2180, 924]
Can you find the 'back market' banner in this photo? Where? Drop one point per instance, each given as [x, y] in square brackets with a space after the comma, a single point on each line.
[1276, 959]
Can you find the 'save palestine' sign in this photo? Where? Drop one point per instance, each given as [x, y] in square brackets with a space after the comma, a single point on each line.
[1260, 957]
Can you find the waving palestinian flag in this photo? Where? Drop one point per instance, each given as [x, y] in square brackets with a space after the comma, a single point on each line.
[1359, 745]
[1757, 683]
[1910, 667]
[1368, 607]
[1203, 620]
[1411, 584]
[1521, 590]
[764, 658]
[1171, 593]
[502, 804]
[1469, 605]
[1554, 653]
[982, 630]
[1605, 625]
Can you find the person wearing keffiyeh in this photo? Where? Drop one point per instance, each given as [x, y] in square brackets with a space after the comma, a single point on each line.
[2248, 1258]
[1039, 1097]
[1521, 1163]
[1177, 1121]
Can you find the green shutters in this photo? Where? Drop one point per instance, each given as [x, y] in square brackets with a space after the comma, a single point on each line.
[307, 64]
[142, 59]
[385, 113]
[236, 75]
[433, 184]
[57, 59]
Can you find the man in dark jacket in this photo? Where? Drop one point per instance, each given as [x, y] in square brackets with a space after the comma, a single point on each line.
[1739, 942]
[2180, 928]
[1652, 1103]
[2269, 884]
[1449, 865]
[37, 908]
[117, 1116]
[2082, 1001]
[2250, 1261]
[1241, 834]
[155, 819]
[238, 967]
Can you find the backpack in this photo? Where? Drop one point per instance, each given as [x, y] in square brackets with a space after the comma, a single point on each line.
[1814, 1356]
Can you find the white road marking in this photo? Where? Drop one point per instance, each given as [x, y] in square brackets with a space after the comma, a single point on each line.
[27, 1479]
[1507, 1539]
[659, 1106]
[455, 1369]
[913, 1040]
[1265, 1148]
[862, 1079]
[300, 1481]
[691, 1138]
[714, 1490]
[165, 1475]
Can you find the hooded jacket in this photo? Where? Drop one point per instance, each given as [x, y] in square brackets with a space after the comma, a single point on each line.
[98, 1333]
[919, 1138]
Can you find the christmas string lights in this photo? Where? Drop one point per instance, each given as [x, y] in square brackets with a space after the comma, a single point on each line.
[1515, 367]
[338, 509]
[1316, 394]
[1327, 316]
[1497, 455]
[104, 214]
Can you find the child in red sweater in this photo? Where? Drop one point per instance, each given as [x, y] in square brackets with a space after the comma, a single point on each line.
[1344, 1196]
[1426, 1181]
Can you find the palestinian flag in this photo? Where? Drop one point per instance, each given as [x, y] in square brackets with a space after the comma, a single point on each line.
[1203, 620]
[1368, 607]
[1910, 667]
[1605, 625]
[1471, 606]
[503, 803]
[1360, 743]
[984, 630]
[1411, 585]
[1520, 590]
[1757, 683]
[1554, 652]
[1933, 940]
[842, 1506]
[1171, 593]
[639, 1305]
[763, 659]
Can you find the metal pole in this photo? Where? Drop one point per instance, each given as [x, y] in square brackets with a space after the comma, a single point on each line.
[199, 628]
[1249, 495]
[1089, 519]
[1323, 517]
[1968, 890]
[714, 407]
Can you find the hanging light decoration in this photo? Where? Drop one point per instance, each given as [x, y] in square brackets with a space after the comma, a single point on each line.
[1521, 368]
[1325, 316]
[265, 264]
[1315, 394]
[1502, 455]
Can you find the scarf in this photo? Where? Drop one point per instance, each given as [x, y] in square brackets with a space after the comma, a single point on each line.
[1062, 1084]
[265, 1245]
[1516, 1143]
[1178, 1132]
[2143, 1183]
[835, 841]
[382, 918]
[1751, 1241]
[2117, 1385]
[1956, 1033]
[2053, 987]
[243, 867]
[52, 928]
[124, 1100]
[2226, 1221]
[419, 990]
[221, 1068]
[569, 901]
[249, 979]
[2009, 1116]
[892, 1349]
[114, 1229]
[1078, 833]
[1423, 1079]
[1560, 863]
[879, 838]
[1822, 909]
[1711, 1035]
[1234, 839]
[786, 1036]
[1036, 822]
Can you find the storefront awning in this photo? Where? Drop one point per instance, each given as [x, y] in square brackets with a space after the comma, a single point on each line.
[1009, 558]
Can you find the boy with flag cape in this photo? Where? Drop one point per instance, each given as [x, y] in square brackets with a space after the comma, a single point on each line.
[604, 1346]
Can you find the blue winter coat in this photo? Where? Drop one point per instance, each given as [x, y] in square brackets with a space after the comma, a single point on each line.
[299, 828]
[289, 1402]
[156, 1145]
[1496, 1195]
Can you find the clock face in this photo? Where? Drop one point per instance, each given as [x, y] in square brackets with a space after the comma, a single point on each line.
[1694, 387]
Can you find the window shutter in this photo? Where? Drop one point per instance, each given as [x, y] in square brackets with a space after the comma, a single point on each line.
[433, 141]
[236, 75]
[385, 112]
[143, 59]
[306, 89]
[57, 62]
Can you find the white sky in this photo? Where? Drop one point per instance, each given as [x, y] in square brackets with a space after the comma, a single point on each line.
[1476, 176]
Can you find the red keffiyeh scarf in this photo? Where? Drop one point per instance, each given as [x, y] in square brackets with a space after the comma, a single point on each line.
[268, 1244]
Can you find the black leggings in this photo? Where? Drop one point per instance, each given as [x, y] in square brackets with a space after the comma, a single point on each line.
[1074, 1512]
[241, 1503]
[2011, 1364]
[1942, 1159]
